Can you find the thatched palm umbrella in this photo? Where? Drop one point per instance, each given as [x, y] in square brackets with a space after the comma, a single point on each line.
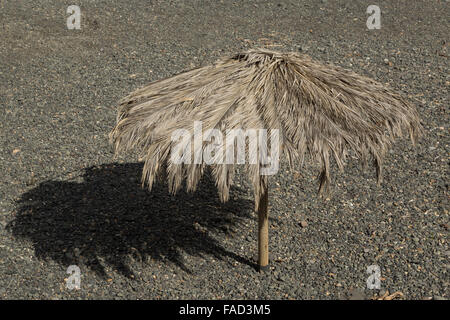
[319, 110]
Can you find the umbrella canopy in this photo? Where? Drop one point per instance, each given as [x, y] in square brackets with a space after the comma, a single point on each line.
[308, 108]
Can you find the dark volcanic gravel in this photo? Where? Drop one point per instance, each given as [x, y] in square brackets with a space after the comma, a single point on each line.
[65, 201]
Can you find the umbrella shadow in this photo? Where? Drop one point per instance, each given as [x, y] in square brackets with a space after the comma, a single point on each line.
[109, 217]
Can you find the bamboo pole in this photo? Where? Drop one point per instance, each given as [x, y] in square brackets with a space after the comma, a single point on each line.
[263, 231]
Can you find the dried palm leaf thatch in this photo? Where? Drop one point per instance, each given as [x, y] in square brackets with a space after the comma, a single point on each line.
[319, 110]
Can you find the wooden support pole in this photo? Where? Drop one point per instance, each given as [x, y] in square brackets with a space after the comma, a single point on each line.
[263, 231]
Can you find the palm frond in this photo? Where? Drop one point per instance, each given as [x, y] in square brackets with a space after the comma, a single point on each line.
[322, 111]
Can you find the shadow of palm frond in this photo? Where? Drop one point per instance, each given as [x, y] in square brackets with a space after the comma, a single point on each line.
[108, 217]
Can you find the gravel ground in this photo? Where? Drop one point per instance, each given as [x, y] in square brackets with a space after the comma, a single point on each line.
[65, 201]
